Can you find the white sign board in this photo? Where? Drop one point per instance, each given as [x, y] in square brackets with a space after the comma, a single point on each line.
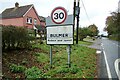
[60, 35]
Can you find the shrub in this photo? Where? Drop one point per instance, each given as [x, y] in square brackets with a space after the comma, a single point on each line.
[15, 37]
[17, 68]
[33, 72]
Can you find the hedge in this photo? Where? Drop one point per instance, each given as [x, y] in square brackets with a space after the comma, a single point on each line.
[15, 37]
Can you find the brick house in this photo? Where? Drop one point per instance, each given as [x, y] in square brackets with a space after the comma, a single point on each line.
[25, 16]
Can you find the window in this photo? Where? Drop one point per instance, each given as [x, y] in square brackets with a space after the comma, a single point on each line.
[29, 20]
[35, 21]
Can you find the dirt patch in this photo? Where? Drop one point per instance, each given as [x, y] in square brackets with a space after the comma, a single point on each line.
[19, 57]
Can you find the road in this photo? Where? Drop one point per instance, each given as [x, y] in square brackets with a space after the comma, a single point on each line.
[111, 53]
[108, 58]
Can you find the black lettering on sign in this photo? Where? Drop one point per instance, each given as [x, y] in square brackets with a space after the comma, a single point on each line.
[56, 16]
[59, 15]
[66, 35]
[59, 35]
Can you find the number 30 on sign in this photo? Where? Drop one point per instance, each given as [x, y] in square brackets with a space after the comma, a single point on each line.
[59, 15]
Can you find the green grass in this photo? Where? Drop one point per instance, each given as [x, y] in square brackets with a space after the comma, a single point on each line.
[33, 73]
[41, 46]
[85, 43]
[83, 61]
[17, 68]
[41, 57]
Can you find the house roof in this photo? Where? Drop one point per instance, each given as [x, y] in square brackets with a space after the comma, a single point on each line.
[15, 12]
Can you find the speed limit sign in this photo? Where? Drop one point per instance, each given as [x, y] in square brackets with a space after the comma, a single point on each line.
[59, 15]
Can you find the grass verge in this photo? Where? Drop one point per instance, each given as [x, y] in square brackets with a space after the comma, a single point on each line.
[83, 62]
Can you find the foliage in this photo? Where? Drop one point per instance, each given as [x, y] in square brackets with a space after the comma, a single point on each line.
[85, 43]
[41, 57]
[15, 37]
[74, 69]
[115, 37]
[91, 31]
[83, 62]
[113, 25]
[83, 32]
[33, 72]
[24, 61]
[16, 68]
[41, 46]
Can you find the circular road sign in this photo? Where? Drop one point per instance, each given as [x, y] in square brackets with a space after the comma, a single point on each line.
[59, 15]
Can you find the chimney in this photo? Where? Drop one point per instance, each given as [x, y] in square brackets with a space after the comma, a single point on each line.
[16, 4]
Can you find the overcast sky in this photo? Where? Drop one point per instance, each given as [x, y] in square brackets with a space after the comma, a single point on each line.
[97, 10]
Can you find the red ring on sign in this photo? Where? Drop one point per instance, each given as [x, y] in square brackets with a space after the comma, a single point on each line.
[55, 10]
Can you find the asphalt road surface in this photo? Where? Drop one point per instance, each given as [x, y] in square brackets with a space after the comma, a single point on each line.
[108, 58]
[111, 53]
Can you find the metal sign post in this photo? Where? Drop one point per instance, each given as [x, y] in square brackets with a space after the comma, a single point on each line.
[60, 30]
[69, 52]
[50, 56]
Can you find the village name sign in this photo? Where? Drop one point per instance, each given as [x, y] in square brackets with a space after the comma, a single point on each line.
[60, 30]
[59, 27]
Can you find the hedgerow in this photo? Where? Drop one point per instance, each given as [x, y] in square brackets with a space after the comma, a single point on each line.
[15, 37]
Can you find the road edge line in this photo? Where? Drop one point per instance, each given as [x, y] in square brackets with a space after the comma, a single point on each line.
[108, 69]
[106, 62]
[116, 67]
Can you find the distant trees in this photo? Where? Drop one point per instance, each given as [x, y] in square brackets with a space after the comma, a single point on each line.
[113, 25]
[83, 32]
[91, 31]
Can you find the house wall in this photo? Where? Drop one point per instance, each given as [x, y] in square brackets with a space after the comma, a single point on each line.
[0, 21]
[13, 21]
[32, 14]
[23, 20]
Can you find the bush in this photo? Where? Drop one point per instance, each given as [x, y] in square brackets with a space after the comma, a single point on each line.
[115, 37]
[15, 37]
[17, 68]
[33, 72]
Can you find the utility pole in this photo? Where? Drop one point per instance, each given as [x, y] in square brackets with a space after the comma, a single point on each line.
[77, 14]
[119, 6]
[74, 15]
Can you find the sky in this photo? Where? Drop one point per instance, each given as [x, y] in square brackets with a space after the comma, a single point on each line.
[97, 10]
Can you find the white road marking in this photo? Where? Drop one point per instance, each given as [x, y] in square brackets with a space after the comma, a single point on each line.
[117, 61]
[108, 69]
[116, 44]
[102, 44]
[98, 51]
